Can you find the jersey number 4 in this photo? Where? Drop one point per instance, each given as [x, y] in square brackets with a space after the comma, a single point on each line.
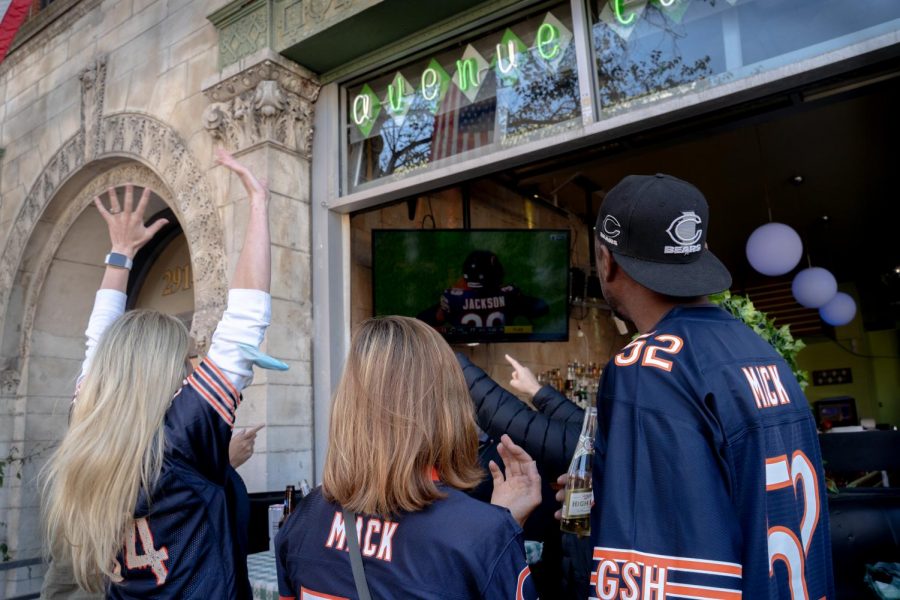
[783, 542]
[648, 355]
[152, 558]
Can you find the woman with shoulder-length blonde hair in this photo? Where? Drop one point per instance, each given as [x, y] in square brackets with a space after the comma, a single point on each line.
[136, 496]
[402, 451]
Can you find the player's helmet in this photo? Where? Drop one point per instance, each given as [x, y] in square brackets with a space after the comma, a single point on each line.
[482, 269]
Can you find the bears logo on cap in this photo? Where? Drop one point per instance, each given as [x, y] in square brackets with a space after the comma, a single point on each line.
[685, 232]
[610, 229]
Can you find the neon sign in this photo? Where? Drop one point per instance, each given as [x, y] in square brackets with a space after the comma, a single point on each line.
[622, 15]
[470, 72]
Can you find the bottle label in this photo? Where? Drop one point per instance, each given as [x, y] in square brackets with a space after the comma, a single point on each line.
[578, 503]
[585, 446]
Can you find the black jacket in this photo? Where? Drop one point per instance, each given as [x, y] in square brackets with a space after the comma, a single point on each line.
[549, 434]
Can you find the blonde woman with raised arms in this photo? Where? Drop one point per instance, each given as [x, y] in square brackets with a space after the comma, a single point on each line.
[134, 497]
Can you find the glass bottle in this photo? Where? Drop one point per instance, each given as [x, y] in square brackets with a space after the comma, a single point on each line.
[288, 505]
[570, 382]
[576, 509]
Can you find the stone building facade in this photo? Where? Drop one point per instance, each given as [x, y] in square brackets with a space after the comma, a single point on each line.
[100, 93]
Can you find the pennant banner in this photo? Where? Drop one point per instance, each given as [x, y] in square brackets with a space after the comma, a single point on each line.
[12, 15]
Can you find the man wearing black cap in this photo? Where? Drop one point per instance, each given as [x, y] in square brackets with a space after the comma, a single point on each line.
[708, 481]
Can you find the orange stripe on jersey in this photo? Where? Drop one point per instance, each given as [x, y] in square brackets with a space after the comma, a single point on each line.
[308, 594]
[213, 403]
[701, 591]
[235, 394]
[669, 562]
[520, 584]
[287, 597]
[215, 386]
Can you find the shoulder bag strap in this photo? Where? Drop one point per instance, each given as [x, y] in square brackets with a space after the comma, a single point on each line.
[359, 575]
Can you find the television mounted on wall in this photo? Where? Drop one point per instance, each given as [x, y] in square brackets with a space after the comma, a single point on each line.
[475, 285]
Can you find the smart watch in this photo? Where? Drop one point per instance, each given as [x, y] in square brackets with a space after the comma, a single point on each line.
[119, 261]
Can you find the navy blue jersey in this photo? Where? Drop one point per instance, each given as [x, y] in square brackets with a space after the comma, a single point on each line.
[708, 480]
[469, 307]
[455, 548]
[181, 544]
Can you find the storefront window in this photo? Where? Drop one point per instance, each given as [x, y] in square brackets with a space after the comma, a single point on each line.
[515, 84]
[648, 50]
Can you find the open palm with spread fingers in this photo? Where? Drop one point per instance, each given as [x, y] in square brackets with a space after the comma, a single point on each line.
[519, 488]
[127, 231]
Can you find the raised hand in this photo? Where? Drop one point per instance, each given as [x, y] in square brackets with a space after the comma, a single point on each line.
[256, 189]
[522, 379]
[127, 233]
[241, 447]
[519, 489]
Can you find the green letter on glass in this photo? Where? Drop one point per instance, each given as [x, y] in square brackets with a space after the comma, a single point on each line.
[617, 7]
[431, 83]
[362, 109]
[467, 70]
[548, 41]
[395, 94]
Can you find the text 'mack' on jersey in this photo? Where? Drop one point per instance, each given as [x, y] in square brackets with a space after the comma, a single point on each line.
[708, 478]
[176, 549]
[457, 548]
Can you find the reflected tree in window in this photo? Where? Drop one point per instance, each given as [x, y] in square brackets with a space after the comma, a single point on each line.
[642, 66]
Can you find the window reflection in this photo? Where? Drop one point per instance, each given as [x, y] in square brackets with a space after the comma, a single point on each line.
[510, 86]
[648, 50]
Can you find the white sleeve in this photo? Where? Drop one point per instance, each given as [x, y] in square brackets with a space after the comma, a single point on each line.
[245, 321]
[109, 305]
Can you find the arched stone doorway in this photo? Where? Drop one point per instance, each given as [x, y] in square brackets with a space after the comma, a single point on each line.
[50, 267]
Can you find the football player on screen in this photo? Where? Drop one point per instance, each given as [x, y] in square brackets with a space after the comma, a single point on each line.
[480, 300]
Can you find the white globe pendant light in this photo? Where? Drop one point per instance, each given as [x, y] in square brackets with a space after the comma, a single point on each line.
[839, 311]
[774, 249]
[814, 287]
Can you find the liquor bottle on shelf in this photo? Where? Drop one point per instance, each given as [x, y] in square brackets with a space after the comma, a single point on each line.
[576, 509]
[570, 382]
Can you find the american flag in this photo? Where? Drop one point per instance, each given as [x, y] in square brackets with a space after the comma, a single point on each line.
[462, 125]
[12, 14]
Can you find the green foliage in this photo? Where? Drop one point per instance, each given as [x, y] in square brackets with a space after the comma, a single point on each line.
[779, 337]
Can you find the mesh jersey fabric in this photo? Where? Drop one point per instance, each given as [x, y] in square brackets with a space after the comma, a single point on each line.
[708, 478]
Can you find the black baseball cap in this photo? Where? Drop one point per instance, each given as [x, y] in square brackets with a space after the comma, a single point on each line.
[656, 226]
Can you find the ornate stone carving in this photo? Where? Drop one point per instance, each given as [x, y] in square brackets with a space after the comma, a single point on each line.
[265, 103]
[318, 10]
[93, 90]
[160, 160]
[244, 36]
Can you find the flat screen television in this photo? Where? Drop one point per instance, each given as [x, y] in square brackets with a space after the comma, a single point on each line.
[475, 285]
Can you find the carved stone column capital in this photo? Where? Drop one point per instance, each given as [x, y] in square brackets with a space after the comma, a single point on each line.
[270, 101]
[93, 91]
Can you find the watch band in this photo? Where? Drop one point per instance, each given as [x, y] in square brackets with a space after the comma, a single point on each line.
[120, 261]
